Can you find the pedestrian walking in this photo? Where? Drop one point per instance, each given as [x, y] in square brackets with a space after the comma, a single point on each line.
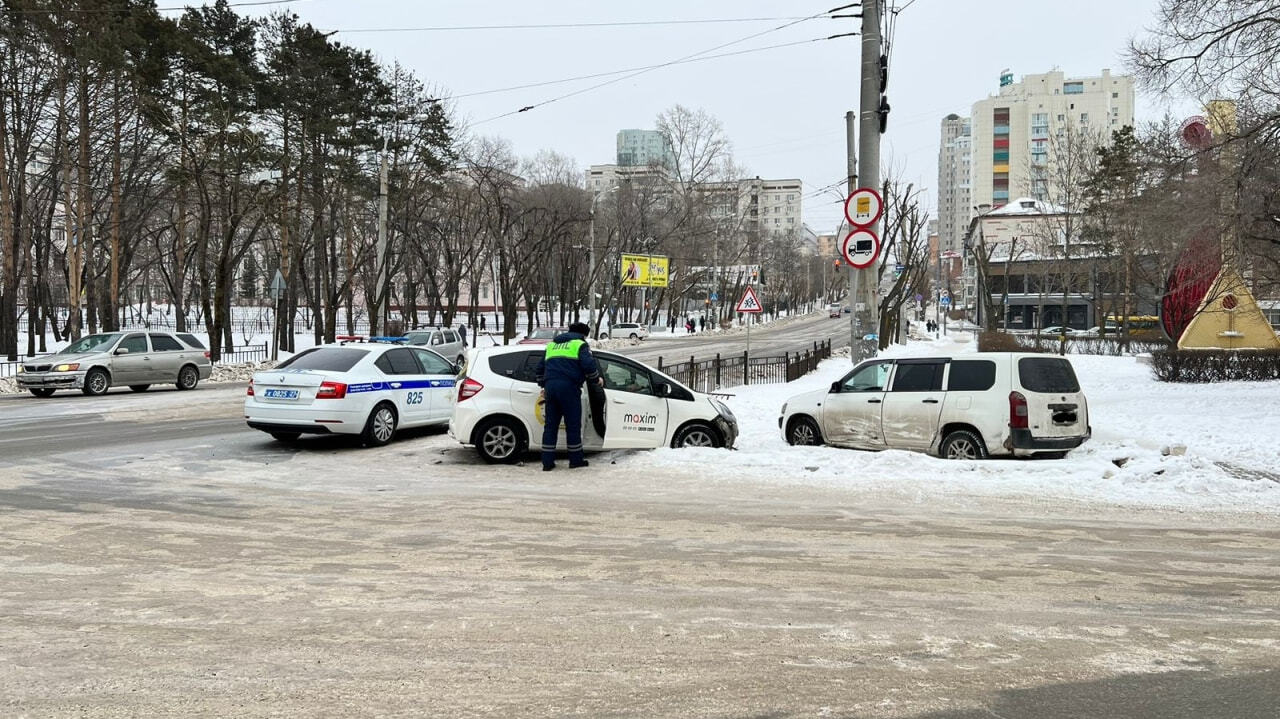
[482, 328]
[462, 332]
[702, 323]
[565, 366]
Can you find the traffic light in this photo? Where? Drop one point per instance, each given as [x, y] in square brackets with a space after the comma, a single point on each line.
[837, 263]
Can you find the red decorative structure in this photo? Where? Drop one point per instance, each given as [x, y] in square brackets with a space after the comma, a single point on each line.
[1189, 282]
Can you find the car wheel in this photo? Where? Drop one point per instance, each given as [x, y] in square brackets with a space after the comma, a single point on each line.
[697, 435]
[380, 427]
[139, 387]
[604, 336]
[500, 441]
[285, 436]
[635, 336]
[42, 392]
[963, 444]
[804, 432]
[96, 382]
[188, 378]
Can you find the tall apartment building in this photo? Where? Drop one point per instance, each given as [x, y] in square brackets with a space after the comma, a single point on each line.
[640, 148]
[955, 204]
[1016, 132]
[780, 204]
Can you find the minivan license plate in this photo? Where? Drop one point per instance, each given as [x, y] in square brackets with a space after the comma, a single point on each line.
[281, 394]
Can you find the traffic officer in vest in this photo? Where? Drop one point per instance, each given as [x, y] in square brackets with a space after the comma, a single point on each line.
[567, 363]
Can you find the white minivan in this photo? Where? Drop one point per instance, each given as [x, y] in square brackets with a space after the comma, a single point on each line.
[967, 406]
[499, 408]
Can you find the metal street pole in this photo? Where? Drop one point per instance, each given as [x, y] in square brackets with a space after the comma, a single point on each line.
[591, 262]
[380, 312]
[854, 274]
[869, 126]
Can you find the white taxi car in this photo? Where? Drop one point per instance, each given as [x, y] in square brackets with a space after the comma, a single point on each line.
[499, 411]
[368, 388]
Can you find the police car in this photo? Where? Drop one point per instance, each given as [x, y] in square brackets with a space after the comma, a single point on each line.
[357, 386]
[499, 409]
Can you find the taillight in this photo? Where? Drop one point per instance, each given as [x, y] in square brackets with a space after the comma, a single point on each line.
[250, 392]
[468, 389]
[207, 355]
[1017, 410]
[331, 390]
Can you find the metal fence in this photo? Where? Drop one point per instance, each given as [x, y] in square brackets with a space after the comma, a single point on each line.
[708, 375]
[247, 353]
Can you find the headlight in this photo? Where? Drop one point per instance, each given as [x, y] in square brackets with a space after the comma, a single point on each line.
[67, 367]
[724, 409]
[20, 370]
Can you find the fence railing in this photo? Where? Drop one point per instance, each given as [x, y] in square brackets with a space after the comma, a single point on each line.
[247, 353]
[708, 375]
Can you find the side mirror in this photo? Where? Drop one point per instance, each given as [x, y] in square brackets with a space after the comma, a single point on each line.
[457, 368]
[836, 386]
[663, 389]
[122, 351]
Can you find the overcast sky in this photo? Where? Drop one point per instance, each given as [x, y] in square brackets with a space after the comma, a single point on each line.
[783, 109]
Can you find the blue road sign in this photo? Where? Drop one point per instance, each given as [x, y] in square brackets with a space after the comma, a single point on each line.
[945, 301]
[715, 297]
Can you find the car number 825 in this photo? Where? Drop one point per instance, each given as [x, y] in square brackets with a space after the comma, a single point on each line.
[414, 398]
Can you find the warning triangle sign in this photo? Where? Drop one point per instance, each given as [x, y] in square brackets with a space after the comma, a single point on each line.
[749, 301]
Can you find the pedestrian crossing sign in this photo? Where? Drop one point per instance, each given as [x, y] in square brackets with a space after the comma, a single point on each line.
[749, 301]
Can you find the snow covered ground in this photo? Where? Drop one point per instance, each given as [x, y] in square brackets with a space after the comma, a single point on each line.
[1232, 459]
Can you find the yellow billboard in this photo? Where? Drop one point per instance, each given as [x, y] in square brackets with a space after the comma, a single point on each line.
[645, 271]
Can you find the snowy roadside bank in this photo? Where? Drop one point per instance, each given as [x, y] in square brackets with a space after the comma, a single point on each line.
[1231, 459]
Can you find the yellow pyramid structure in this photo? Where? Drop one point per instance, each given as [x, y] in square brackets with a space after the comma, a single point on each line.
[1229, 318]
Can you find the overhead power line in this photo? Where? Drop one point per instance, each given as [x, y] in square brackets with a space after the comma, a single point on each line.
[116, 11]
[567, 25]
[651, 68]
[632, 69]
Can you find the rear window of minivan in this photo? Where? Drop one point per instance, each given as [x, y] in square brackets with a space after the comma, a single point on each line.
[971, 376]
[1047, 374]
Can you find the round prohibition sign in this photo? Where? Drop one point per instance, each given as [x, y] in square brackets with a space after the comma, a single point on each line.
[863, 207]
[860, 248]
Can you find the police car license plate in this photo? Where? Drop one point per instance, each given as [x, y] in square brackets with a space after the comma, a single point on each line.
[281, 394]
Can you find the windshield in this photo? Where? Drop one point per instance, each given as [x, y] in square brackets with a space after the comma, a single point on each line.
[92, 343]
[545, 334]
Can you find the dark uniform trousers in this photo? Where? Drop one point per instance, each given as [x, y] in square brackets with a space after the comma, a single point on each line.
[564, 401]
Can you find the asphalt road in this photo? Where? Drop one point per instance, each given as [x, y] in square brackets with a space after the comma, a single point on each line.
[160, 559]
[790, 335]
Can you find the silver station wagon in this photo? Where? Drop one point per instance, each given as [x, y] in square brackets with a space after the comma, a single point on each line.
[137, 360]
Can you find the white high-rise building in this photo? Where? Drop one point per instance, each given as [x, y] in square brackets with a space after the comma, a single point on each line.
[955, 155]
[640, 148]
[1016, 132]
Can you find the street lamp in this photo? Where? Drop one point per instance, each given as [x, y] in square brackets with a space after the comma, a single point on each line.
[383, 295]
[591, 261]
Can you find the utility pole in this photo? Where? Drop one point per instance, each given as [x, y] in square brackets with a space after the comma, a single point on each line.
[378, 319]
[869, 146]
[854, 274]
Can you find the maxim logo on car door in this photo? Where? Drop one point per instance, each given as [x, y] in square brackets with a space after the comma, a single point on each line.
[640, 422]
